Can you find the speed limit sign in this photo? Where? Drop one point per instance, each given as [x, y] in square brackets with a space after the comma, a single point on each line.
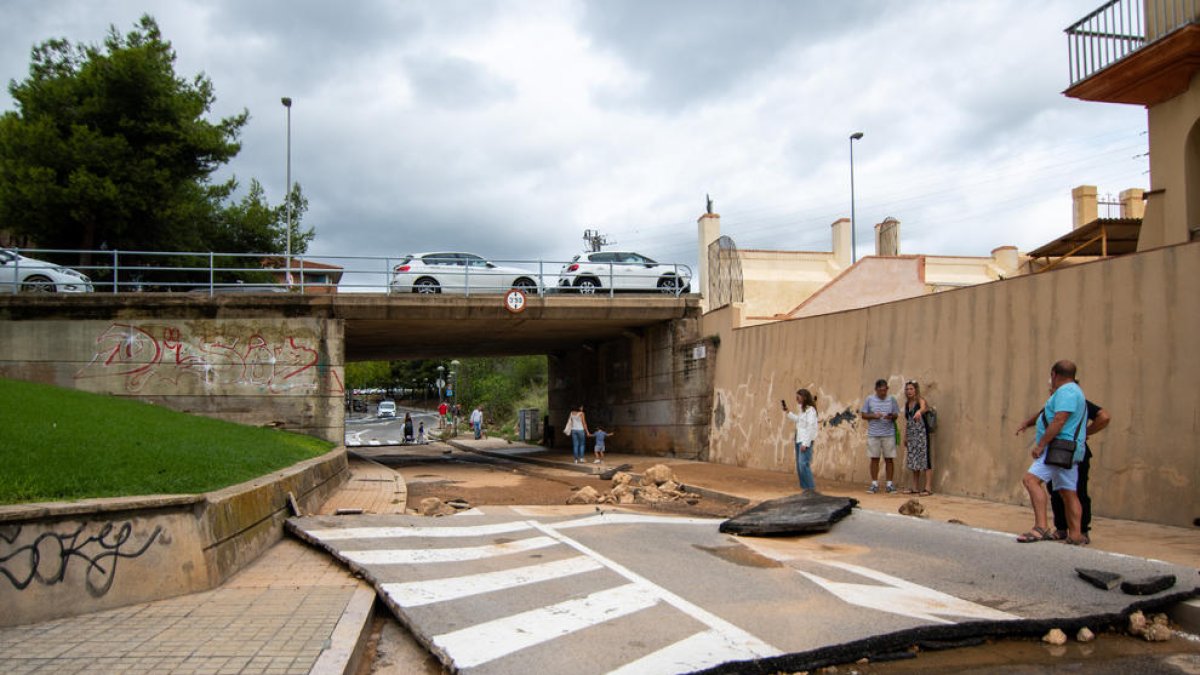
[514, 301]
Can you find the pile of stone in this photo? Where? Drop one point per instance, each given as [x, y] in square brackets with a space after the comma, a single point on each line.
[434, 507]
[656, 486]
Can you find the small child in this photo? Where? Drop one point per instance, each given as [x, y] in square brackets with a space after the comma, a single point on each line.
[421, 433]
[600, 435]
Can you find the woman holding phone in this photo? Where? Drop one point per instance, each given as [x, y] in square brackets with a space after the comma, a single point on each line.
[806, 435]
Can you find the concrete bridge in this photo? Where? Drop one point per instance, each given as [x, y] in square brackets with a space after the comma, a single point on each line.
[278, 359]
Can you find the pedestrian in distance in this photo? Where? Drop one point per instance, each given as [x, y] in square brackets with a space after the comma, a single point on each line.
[443, 410]
[477, 421]
[1097, 420]
[916, 438]
[600, 435]
[805, 438]
[408, 428]
[1062, 419]
[577, 429]
[880, 411]
[421, 440]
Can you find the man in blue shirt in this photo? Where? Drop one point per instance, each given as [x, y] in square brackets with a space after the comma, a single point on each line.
[1063, 416]
[881, 412]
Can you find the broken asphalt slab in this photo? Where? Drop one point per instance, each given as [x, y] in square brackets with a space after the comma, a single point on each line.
[795, 514]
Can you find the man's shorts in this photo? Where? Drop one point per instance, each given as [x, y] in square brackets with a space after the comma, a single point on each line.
[881, 446]
[1063, 479]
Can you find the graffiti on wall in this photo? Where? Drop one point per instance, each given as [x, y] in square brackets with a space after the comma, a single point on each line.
[139, 355]
[47, 558]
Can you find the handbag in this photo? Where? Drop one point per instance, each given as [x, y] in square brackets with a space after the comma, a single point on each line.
[1061, 452]
[930, 418]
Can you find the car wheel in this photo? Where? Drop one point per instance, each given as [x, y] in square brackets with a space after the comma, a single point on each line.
[426, 285]
[669, 285]
[587, 285]
[526, 286]
[38, 284]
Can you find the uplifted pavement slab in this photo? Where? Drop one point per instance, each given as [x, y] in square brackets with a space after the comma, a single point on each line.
[554, 589]
[794, 514]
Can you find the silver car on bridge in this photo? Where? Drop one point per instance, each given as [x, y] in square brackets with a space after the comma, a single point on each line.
[622, 271]
[456, 272]
[18, 273]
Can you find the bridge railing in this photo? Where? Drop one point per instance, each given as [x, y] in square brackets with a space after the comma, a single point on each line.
[212, 273]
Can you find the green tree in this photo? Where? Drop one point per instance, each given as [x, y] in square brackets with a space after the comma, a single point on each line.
[108, 146]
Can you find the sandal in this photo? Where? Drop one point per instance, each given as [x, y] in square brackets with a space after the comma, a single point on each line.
[911, 492]
[1059, 535]
[1076, 542]
[1036, 534]
[925, 493]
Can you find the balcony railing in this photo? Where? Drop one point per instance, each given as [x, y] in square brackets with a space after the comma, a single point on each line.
[1119, 28]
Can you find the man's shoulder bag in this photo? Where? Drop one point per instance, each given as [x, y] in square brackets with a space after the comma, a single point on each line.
[1061, 452]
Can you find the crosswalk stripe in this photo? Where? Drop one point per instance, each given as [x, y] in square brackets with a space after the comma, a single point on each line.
[491, 640]
[435, 555]
[702, 650]
[417, 593]
[333, 534]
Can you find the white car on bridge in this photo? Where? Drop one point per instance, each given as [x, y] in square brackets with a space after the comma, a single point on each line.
[454, 272]
[18, 273]
[622, 271]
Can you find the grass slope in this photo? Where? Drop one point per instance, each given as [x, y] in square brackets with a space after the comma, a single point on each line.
[61, 444]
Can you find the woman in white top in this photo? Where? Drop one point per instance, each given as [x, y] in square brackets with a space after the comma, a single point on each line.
[806, 435]
[577, 426]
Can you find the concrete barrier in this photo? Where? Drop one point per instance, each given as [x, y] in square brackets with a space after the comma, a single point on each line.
[71, 558]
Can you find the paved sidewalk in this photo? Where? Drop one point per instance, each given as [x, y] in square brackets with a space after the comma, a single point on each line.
[295, 610]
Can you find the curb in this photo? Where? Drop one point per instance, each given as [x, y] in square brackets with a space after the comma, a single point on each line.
[344, 652]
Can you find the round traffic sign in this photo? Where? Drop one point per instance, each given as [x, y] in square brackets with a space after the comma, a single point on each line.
[514, 301]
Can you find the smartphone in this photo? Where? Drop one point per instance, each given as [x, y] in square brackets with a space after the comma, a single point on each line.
[783, 404]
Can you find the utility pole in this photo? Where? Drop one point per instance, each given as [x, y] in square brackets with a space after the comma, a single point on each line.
[595, 240]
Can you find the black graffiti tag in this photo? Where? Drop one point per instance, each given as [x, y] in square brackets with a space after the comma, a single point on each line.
[48, 557]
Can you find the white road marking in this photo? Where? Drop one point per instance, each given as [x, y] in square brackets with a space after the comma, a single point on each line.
[903, 597]
[493, 639]
[702, 650]
[751, 645]
[631, 518]
[417, 593]
[333, 534]
[434, 555]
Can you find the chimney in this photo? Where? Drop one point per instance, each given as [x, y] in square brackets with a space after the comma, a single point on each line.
[708, 230]
[1133, 203]
[1083, 206]
[842, 242]
[887, 237]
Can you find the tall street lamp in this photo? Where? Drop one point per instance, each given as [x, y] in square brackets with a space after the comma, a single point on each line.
[287, 103]
[853, 236]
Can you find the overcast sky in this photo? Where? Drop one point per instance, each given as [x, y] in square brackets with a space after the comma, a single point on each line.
[507, 128]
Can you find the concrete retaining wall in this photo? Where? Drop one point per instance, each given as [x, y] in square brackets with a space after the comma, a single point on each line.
[65, 559]
[652, 389]
[983, 356]
[280, 372]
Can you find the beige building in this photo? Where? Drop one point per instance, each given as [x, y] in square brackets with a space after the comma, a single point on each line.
[1147, 52]
[790, 284]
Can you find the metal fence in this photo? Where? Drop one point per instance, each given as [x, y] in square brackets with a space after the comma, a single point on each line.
[1120, 27]
[211, 273]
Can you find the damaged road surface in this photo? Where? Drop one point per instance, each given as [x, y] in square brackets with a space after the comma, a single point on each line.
[583, 590]
[796, 514]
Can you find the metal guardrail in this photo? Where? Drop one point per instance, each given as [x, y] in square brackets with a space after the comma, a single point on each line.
[1119, 28]
[214, 273]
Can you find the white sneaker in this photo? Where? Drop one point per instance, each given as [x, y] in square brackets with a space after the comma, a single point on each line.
[597, 461]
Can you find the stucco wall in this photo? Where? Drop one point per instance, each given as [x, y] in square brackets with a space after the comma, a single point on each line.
[1174, 201]
[872, 281]
[285, 373]
[653, 390]
[983, 356]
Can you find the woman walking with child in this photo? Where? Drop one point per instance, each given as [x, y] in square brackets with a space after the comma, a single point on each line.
[806, 436]
[916, 438]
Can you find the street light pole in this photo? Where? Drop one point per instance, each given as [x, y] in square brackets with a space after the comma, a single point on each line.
[287, 103]
[853, 229]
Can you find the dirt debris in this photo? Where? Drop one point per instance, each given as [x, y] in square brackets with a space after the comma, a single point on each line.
[913, 507]
[656, 486]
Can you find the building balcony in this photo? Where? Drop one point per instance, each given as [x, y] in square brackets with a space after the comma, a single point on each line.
[1135, 51]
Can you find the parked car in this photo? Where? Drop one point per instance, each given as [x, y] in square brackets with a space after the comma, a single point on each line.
[622, 271]
[18, 273]
[386, 409]
[453, 272]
